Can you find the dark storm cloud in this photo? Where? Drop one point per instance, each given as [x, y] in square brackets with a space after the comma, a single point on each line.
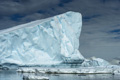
[22, 11]
[116, 31]
[9, 7]
[101, 18]
[62, 2]
[87, 18]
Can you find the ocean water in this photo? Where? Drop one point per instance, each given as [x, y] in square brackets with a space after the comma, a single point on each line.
[13, 75]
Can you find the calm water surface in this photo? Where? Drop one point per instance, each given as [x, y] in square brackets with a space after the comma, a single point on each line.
[13, 75]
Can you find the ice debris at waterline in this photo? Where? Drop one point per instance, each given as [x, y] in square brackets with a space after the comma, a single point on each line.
[42, 42]
[112, 69]
[33, 77]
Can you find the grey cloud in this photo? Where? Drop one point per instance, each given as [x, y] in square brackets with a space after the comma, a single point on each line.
[30, 6]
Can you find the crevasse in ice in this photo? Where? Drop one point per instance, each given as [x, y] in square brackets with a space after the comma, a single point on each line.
[42, 42]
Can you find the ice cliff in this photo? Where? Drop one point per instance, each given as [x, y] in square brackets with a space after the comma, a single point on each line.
[42, 42]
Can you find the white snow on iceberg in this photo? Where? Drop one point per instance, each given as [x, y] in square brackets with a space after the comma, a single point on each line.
[42, 42]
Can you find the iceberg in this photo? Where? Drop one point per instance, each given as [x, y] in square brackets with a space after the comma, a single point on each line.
[43, 42]
[115, 61]
[93, 61]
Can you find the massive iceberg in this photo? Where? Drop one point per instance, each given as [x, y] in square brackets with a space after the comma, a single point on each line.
[42, 42]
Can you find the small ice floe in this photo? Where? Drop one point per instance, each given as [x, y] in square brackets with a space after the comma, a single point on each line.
[26, 70]
[117, 71]
[33, 77]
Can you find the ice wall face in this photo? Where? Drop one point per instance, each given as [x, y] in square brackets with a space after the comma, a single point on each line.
[42, 42]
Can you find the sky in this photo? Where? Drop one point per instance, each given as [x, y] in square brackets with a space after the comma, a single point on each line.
[100, 36]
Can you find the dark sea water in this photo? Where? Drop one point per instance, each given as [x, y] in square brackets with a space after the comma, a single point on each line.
[13, 75]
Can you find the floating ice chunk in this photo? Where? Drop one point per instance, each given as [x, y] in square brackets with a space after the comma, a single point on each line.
[116, 61]
[33, 77]
[26, 70]
[92, 62]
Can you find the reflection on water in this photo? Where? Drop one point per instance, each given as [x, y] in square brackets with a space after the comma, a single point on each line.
[13, 75]
[10, 75]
